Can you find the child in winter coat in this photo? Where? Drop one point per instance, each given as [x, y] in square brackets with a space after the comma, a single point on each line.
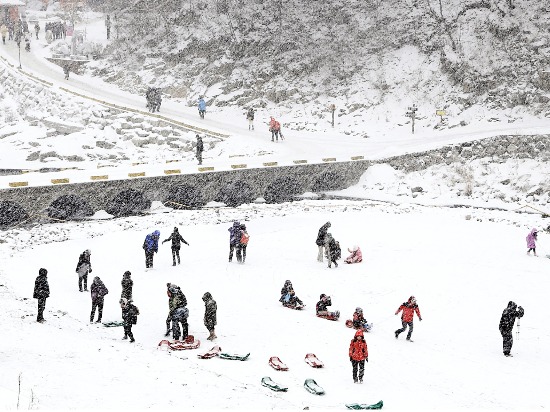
[409, 308]
[129, 316]
[359, 321]
[333, 250]
[356, 255]
[531, 239]
[127, 285]
[322, 306]
[98, 292]
[358, 354]
[284, 290]
[210, 309]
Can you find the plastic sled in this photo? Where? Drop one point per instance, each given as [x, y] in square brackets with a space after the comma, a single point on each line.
[313, 361]
[358, 406]
[336, 316]
[188, 343]
[295, 307]
[312, 387]
[215, 351]
[349, 324]
[277, 364]
[267, 382]
[234, 357]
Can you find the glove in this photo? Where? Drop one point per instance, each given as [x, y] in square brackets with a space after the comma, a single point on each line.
[350, 359]
[420, 319]
[367, 360]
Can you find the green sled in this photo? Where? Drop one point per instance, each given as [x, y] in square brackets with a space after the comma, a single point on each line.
[113, 324]
[234, 357]
[356, 406]
[267, 382]
[312, 387]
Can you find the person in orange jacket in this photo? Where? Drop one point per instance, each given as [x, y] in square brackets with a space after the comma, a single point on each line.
[408, 308]
[358, 354]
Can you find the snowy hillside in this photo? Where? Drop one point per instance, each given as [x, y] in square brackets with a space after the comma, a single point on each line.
[463, 273]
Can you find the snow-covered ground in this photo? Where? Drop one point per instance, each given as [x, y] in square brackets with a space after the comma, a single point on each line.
[463, 273]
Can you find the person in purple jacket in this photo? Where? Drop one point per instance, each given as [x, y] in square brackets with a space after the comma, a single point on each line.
[234, 238]
[531, 239]
[151, 246]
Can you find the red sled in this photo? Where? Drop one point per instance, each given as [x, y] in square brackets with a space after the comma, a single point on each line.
[296, 307]
[277, 364]
[349, 324]
[312, 361]
[215, 351]
[332, 316]
[188, 343]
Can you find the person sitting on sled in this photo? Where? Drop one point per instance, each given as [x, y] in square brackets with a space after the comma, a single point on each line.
[359, 321]
[284, 291]
[322, 305]
[356, 255]
[292, 300]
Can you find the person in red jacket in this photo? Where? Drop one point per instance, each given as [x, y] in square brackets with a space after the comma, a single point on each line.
[358, 354]
[408, 308]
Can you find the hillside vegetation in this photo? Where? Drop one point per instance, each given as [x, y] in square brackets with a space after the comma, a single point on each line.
[359, 53]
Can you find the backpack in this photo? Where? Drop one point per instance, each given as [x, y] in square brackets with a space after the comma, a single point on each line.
[244, 238]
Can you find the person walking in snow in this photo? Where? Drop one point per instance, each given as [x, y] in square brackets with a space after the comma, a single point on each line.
[241, 246]
[250, 118]
[41, 292]
[127, 285]
[333, 250]
[210, 309]
[531, 239]
[98, 292]
[36, 29]
[358, 354]
[200, 149]
[506, 325]
[151, 246]
[130, 313]
[320, 242]
[408, 308]
[176, 239]
[178, 312]
[202, 107]
[66, 70]
[274, 128]
[234, 238]
[3, 32]
[83, 267]
[356, 255]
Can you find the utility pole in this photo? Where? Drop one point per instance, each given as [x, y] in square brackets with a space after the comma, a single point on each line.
[412, 114]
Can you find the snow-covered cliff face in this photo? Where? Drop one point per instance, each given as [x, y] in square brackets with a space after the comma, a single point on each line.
[361, 55]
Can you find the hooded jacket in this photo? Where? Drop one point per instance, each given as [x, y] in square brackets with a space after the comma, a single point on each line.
[531, 238]
[323, 304]
[98, 290]
[151, 243]
[322, 234]
[358, 350]
[84, 265]
[210, 309]
[285, 289]
[202, 105]
[509, 316]
[409, 309]
[176, 298]
[127, 285]
[235, 234]
[41, 286]
[356, 255]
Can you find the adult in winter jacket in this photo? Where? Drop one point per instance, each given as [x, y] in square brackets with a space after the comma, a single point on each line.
[129, 317]
[127, 285]
[356, 255]
[83, 267]
[242, 245]
[531, 239]
[358, 354]
[178, 312]
[320, 242]
[210, 309]
[506, 325]
[200, 149]
[176, 239]
[408, 308]
[41, 292]
[234, 238]
[151, 246]
[98, 291]
[333, 250]
[250, 118]
[274, 128]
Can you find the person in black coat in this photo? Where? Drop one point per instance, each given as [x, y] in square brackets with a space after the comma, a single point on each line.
[98, 291]
[210, 309]
[176, 239]
[127, 285]
[320, 242]
[129, 317]
[333, 250]
[41, 292]
[506, 325]
[83, 267]
[200, 149]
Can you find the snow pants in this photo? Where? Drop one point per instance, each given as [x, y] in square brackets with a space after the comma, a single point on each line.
[149, 258]
[507, 341]
[176, 328]
[405, 324]
[97, 303]
[128, 331]
[41, 307]
[231, 249]
[241, 253]
[83, 278]
[358, 364]
[175, 253]
[320, 254]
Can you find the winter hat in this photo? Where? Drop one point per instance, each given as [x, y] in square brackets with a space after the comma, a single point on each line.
[42, 272]
[176, 229]
[412, 299]
[127, 274]
[88, 251]
[97, 279]
[322, 296]
[359, 333]
[206, 296]
[358, 309]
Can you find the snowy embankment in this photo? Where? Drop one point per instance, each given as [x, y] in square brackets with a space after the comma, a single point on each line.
[463, 273]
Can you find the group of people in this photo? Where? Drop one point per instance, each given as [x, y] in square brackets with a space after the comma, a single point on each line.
[17, 31]
[238, 241]
[330, 248]
[151, 246]
[58, 29]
